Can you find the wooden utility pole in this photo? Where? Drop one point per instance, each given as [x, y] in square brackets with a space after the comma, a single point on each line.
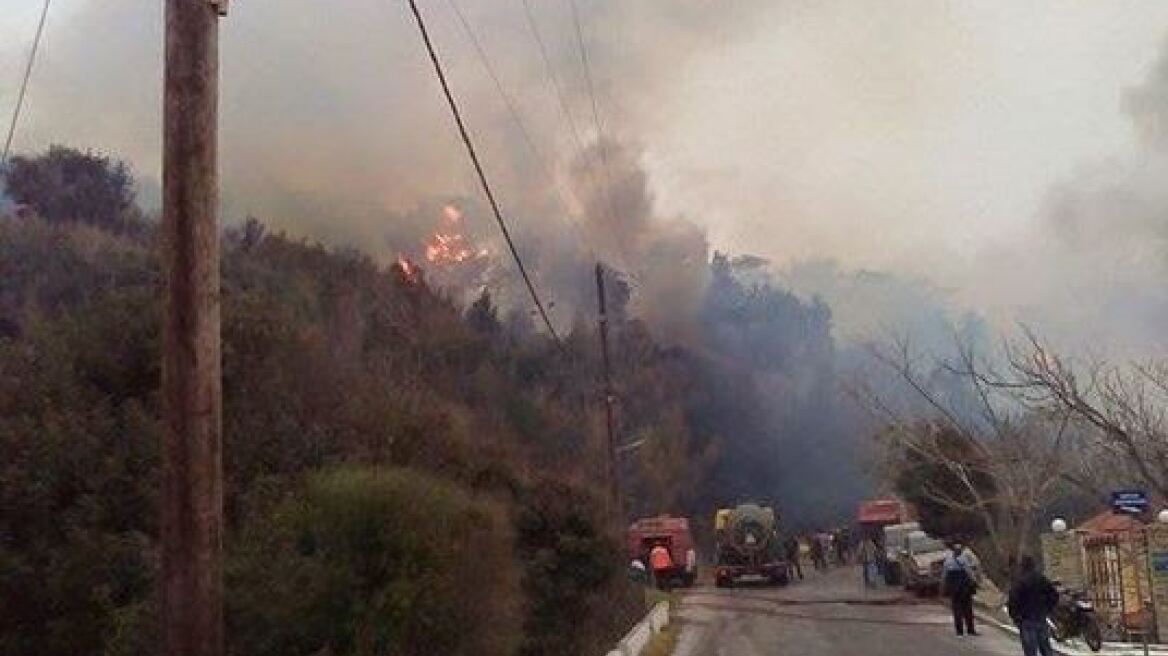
[609, 397]
[192, 477]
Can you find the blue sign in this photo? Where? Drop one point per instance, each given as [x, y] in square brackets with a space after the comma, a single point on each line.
[1129, 502]
[1160, 562]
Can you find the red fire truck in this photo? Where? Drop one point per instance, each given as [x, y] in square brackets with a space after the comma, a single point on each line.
[674, 534]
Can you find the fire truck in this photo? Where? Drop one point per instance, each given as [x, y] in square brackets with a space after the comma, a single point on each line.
[674, 534]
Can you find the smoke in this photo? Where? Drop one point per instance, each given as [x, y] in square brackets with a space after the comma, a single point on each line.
[887, 159]
[1089, 272]
[665, 259]
[1147, 105]
[331, 122]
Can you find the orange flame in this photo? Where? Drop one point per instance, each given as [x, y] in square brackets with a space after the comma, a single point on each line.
[448, 246]
[408, 270]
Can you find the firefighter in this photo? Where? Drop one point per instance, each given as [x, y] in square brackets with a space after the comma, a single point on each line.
[661, 563]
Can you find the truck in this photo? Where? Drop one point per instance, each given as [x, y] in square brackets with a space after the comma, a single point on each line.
[672, 532]
[748, 546]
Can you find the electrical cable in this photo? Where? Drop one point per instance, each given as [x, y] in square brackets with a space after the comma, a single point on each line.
[513, 110]
[36, 41]
[482, 176]
[533, 27]
[601, 143]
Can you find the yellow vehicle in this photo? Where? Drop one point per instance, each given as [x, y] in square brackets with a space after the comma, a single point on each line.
[747, 541]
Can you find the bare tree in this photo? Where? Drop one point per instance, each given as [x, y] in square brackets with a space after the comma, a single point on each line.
[1002, 460]
[1124, 406]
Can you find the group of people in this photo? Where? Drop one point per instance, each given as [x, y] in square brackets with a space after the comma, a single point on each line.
[1032, 596]
[820, 547]
[1031, 600]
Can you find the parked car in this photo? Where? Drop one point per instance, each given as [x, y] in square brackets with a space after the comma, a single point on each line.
[894, 543]
[921, 561]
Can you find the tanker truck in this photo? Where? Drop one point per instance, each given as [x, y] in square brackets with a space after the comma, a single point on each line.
[748, 546]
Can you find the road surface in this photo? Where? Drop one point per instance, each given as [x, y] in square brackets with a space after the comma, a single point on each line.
[825, 615]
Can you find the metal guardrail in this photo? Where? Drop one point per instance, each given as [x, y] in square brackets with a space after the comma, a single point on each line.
[639, 636]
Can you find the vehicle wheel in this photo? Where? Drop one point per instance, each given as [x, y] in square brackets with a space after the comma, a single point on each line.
[1057, 630]
[723, 582]
[1092, 635]
[687, 580]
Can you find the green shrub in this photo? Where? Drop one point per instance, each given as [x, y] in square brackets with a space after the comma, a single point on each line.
[579, 600]
[375, 561]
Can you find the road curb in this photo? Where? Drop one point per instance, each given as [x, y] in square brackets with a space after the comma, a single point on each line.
[1109, 648]
[638, 637]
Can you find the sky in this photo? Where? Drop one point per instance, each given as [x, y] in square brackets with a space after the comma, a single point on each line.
[943, 141]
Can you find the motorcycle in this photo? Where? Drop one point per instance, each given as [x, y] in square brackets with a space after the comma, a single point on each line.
[1074, 617]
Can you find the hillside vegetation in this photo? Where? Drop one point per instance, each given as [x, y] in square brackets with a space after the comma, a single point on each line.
[403, 475]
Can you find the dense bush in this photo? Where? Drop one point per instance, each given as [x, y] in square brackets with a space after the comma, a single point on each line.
[67, 185]
[331, 359]
[579, 601]
[375, 561]
[385, 375]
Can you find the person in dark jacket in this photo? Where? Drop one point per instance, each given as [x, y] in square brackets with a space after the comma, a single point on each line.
[1032, 598]
[959, 584]
[791, 546]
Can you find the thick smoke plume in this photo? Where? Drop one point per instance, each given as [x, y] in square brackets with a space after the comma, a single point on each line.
[1090, 271]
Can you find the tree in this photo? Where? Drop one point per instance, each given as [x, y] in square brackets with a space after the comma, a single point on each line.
[924, 481]
[483, 317]
[1123, 408]
[67, 185]
[999, 461]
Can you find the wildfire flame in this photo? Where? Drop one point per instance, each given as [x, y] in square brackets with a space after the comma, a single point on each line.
[409, 271]
[448, 246]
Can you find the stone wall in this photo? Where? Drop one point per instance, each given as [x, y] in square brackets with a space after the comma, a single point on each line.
[1062, 558]
[1158, 568]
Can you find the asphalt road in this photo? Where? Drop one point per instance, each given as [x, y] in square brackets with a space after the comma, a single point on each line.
[825, 615]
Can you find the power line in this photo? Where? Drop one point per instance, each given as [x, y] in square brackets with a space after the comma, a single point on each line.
[601, 144]
[533, 27]
[547, 63]
[513, 110]
[474, 158]
[36, 41]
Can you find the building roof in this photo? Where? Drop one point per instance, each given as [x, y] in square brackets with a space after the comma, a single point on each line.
[880, 511]
[1109, 522]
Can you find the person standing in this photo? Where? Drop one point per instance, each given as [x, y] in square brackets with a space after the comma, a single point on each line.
[958, 583]
[791, 546]
[867, 554]
[661, 563]
[817, 553]
[1032, 598]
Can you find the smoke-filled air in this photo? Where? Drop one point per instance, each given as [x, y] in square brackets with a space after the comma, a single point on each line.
[831, 231]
